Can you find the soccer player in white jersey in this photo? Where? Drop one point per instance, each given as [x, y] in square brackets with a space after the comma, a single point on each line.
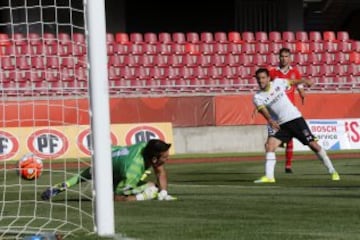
[287, 121]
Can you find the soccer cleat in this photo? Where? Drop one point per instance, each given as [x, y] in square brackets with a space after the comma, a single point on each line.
[288, 170]
[265, 179]
[53, 191]
[335, 176]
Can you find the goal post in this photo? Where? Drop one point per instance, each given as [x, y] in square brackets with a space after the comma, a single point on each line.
[100, 118]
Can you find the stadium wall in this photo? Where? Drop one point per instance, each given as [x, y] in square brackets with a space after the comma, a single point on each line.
[200, 123]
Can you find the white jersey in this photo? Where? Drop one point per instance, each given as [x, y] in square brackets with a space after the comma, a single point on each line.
[277, 102]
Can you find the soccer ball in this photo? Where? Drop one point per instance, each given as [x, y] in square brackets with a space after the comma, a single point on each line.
[30, 167]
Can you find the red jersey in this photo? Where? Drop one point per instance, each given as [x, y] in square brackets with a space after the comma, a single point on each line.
[292, 73]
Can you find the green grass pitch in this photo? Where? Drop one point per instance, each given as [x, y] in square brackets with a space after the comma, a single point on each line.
[219, 201]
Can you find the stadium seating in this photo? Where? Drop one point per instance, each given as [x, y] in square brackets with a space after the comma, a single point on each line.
[177, 62]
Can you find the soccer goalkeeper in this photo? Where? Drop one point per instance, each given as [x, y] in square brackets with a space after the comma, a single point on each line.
[131, 166]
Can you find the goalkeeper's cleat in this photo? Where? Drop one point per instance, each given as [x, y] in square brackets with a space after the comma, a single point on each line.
[53, 191]
[335, 176]
[265, 179]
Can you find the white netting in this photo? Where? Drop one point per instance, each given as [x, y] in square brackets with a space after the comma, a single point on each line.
[44, 110]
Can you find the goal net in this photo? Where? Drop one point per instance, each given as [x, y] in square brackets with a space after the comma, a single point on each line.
[44, 111]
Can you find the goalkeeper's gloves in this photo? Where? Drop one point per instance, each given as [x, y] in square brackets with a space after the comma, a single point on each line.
[164, 196]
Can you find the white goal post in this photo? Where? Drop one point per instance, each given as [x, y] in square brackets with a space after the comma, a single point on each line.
[100, 115]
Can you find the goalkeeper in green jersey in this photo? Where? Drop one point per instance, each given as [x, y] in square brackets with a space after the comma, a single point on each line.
[131, 166]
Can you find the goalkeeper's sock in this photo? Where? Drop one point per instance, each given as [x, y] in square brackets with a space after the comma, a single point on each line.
[326, 160]
[270, 165]
[84, 175]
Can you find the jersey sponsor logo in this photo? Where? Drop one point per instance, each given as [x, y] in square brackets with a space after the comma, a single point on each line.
[84, 141]
[143, 134]
[9, 145]
[48, 143]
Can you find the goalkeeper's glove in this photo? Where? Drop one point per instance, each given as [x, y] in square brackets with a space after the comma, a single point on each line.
[164, 196]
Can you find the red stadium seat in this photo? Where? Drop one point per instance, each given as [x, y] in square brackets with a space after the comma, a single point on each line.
[179, 37]
[262, 47]
[344, 46]
[218, 59]
[301, 36]
[259, 60]
[150, 38]
[164, 37]
[327, 58]
[234, 37]
[149, 48]
[79, 38]
[246, 59]
[221, 37]
[232, 59]
[290, 45]
[52, 62]
[122, 38]
[261, 37]
[275, 36]
[192, 37]
[313, 59]
[4, 39]
[177, 60]
[272, 59]
[354, 57]
[192, 60]
[248, 48]
[162, 60]
[248, 36]
[136, 49]
[18, 39]
[300, 58]
[23, 62]
[342, 36]
[206, 37]
[355, 46]
[121, 49]
[315, 36]
[205, 60]
[220, 48]
[136, 38]
[148, 60]
[330, 46]
[163, 48]
[329, 36]
[234, 48]
[132, 60]
[342, 58]
[206, 48]
[288, 36]
[49, 39]
[110, 39]
[315, 47]
[192, 48]
[302, 46]
[275, 47]
[38, 62]
[178, 48]
[67, 62]
[64, 38]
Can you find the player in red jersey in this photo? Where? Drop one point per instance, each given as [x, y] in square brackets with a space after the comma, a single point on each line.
[285, 70]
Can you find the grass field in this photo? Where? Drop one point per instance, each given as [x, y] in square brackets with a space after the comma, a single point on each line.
[219, 201]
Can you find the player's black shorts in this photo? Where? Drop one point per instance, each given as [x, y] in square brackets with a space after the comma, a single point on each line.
[296, 128]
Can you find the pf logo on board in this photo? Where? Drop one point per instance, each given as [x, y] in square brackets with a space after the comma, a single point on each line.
[84, 141]
[143, 134]
[48, 143]
[9, 145]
